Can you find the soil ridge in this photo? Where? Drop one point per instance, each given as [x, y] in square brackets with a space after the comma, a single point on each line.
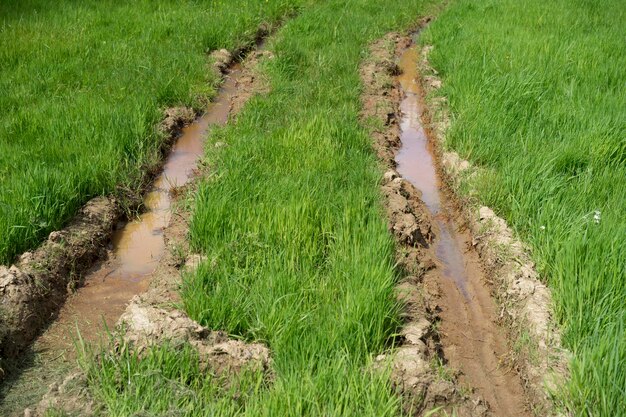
[525, 301]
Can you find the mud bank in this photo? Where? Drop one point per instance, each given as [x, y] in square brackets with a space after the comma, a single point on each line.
[149, 318]
[450, 317]
[524, 301]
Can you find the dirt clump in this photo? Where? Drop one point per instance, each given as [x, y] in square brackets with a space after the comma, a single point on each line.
[143, 325]
[221, 60]
[409, 220]
[381, 97]
[175, 118]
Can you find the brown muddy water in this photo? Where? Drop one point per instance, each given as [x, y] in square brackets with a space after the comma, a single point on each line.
[136, 248]
[472, 342]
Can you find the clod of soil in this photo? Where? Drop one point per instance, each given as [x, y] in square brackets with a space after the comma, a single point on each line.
[410, 222]
[222, 59]
[175, 118]
[143, 326]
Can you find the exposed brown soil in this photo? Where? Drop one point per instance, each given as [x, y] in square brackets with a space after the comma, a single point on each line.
[149, 317]
[35, 287]
[524, 301]
[416, 364]
[480, 376]
[145, 325]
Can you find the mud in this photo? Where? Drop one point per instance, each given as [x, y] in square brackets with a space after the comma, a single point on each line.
[146, 257]
[145, 325]
[445, 283]
[417, 370]
[35, 287]
[471, 340]
[524, 301]
[137, 248]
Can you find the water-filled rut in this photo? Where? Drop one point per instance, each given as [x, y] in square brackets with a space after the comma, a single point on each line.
[137, 246]
[472, 342]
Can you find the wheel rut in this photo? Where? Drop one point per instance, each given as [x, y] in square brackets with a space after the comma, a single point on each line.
[472, 341]
[143, 258]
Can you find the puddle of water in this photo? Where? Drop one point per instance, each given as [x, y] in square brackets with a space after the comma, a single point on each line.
[139, 245]
[472, 342]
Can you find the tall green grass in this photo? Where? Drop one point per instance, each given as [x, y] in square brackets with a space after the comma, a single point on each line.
[82, 86]
[299, 255]
[538, 97]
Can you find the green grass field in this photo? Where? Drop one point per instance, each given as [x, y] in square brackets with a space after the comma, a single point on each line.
[291, 214]
[537, 93]
[82, 87]
[292, 217]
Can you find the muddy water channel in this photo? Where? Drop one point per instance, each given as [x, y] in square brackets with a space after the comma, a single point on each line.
[135, 252]
[138, 245]
[472, 341]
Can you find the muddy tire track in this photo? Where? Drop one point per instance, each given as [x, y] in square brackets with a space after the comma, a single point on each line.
[524, 301]
[112, 283]
[35, 288]
[450, 316]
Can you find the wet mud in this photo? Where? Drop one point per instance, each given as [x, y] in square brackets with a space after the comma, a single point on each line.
[453, 356]
[134, 292]
[471, 340]
[145, 258]
[138, 246]
[524, 301]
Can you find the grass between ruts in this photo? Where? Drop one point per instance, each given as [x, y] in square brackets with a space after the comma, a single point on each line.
[299, 254]
[537, 94]
[82, 87]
